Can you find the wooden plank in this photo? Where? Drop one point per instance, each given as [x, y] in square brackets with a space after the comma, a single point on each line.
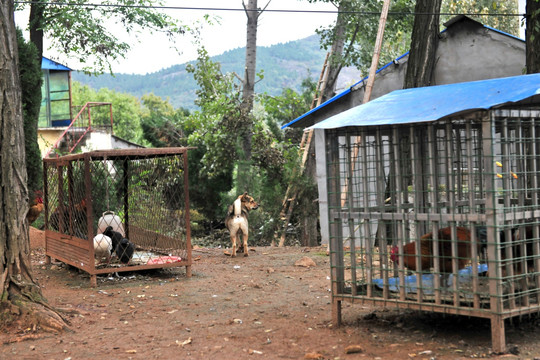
[445, 308]
[124, 268]
[498, 339]
[371, 80]
[120, 153]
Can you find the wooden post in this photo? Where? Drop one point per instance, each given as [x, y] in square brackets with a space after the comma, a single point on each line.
[369, 85]
[377, 51]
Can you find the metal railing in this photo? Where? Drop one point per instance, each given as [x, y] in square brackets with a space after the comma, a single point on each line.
[86, 121]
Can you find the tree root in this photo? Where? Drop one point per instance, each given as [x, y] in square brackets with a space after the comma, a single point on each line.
[34, 316]
[23, 338]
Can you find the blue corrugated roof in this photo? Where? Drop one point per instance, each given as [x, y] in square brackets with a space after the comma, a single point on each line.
[436, 102]
[52, 65]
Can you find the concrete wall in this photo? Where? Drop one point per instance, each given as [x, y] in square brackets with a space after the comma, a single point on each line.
[467, 51]
[96, 141]
[47, 138]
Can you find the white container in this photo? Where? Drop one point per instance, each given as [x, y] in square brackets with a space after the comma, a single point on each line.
[110, 219]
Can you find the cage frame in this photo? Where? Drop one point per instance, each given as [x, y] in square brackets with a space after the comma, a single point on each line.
[55, 240]
[332, 191]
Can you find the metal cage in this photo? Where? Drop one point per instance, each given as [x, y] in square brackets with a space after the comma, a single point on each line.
[142, 193]
[440, 216]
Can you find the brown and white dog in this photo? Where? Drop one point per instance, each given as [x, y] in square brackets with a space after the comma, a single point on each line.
[237, 220]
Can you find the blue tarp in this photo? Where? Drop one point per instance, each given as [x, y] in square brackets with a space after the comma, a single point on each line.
[427, 281]
[436, 102]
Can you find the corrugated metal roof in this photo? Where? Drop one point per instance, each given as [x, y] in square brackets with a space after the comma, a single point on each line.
[436, 102]
[49, 64]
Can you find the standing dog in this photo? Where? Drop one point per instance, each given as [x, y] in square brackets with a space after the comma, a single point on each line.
[237, 220]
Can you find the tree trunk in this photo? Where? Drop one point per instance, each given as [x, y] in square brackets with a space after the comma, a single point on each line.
[20, 298]
[248, 90]
[35, 23]
[424, 40]
[309, 214]
[532, 36]
[336, 53]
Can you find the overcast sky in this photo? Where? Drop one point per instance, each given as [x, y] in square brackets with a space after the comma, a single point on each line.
[154, 52]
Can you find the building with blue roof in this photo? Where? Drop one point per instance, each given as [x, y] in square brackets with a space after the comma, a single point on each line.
[467, 51]
[430, 200]
[64, 127]
[55, 94]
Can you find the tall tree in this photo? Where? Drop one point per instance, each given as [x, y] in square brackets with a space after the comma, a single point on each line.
[20, 297]
[532, 36]
[351, 38]
[248, 92]
[31, 79]
[79, 29]
[336, 62]
[424, 40]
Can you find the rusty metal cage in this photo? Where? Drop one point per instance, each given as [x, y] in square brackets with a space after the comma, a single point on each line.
[439, 216]
[141, 193]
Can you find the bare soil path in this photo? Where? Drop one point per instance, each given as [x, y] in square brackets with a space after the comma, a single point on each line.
[260, 307]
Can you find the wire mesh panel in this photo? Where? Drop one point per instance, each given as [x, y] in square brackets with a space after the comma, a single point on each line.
[440, 216]
[118, 210]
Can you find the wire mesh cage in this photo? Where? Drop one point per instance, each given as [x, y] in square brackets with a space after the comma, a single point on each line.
[118, 210]
[440, 216]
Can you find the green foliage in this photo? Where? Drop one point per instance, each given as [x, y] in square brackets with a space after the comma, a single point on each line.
[31, 79]
[361, 31]
[126, 109]
[160, 122]
[214, 127]
[509, 24]
[164, 126]
[80, 29]
[212, 131]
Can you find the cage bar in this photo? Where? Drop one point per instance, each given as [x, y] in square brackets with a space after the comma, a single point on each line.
[439, 216]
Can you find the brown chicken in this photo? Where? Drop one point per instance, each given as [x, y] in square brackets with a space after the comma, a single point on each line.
[444, 258]
[35, 208]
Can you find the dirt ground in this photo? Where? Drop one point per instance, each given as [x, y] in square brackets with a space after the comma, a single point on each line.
[260, 307]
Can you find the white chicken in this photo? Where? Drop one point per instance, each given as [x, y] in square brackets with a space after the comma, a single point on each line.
[102, 246]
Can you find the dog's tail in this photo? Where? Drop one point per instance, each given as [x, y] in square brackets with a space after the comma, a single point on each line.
[237, 205]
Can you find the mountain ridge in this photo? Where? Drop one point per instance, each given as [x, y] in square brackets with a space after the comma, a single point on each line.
[284, 65]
